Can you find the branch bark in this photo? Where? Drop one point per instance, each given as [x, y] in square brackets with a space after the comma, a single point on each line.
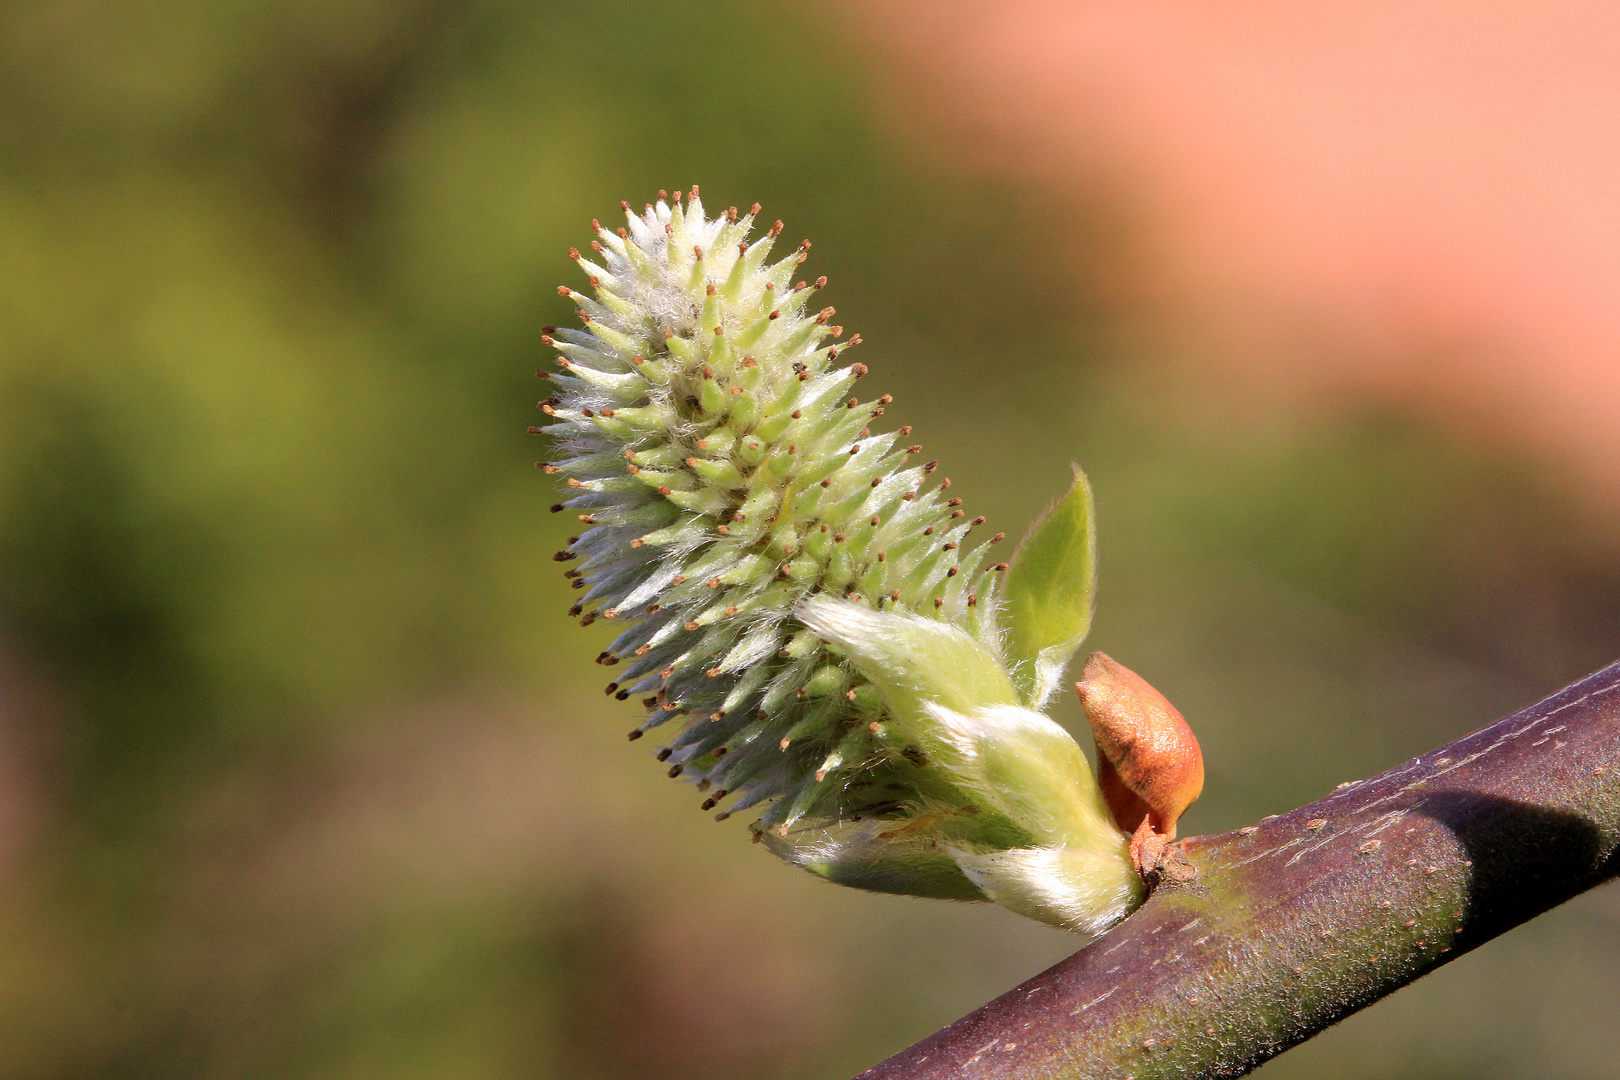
[1255, 940]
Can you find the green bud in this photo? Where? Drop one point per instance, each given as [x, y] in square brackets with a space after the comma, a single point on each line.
[804, 600]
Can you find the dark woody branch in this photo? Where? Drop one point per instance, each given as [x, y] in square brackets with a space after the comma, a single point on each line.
[1256, 940]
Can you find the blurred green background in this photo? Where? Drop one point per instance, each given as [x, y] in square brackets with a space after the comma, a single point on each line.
[303, 772]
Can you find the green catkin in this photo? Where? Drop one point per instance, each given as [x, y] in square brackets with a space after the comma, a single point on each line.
[699, 485]
[714, 445]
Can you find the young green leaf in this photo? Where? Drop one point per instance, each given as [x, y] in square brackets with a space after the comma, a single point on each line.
[1049, 592]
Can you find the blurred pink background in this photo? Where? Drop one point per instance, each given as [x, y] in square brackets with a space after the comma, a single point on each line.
[1416, 199]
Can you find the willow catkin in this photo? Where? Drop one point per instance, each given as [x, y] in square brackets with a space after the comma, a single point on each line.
[741, 505]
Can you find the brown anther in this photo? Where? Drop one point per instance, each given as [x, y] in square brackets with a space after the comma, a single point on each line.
[980, 520]
[754, 209]
[928, 531]
[719, 331]
[839, 538]
[958, 513]
[939, 601]
[883, 556]
[678, 579]
[563, 290]
[931, 466]
[945, 483]
[636, 734]
[953, 502]
[950, 547]
[895, 595]
[876, 520]
[876, 480]
[697, 252]
[713, 583]
[1149, 766]
[903, 432]
[774, 315]
[694, 626]
[775, 230]
[973, 600]
[547, 468]
[952, 572]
